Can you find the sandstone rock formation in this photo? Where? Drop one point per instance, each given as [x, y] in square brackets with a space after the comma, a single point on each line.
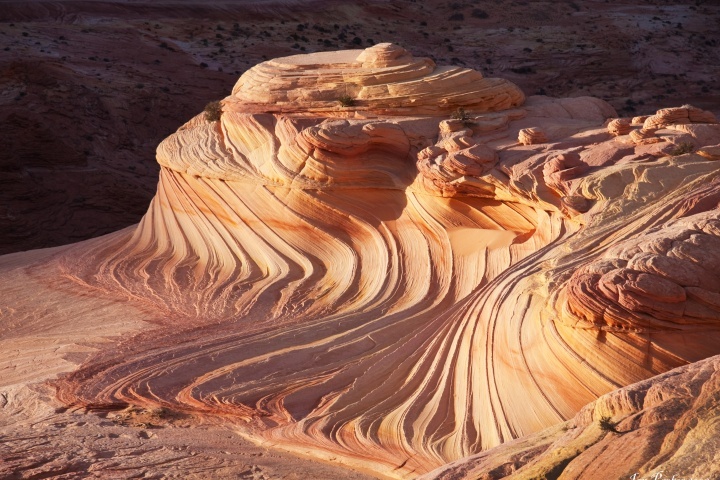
[711, 152]
[644, 136]
[381, 285]
[619, 126]
[531, 136]
[677, 116]
[665, 427]
[384, 79]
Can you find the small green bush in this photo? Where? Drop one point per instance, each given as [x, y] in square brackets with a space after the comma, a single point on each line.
[213, 111]
[346, 101]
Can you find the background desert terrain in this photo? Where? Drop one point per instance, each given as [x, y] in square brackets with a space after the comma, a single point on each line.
[89, 88]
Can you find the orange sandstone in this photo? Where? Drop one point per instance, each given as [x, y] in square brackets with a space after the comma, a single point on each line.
[380, 284]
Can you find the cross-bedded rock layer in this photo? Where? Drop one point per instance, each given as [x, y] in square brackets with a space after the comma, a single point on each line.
[663, 427]
[393, 288]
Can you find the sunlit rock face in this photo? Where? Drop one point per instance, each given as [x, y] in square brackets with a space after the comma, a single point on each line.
[667, 424]
[399, 283]
[381, 79]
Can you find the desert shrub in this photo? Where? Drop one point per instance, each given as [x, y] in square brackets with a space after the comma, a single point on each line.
[682, 149]
[461, 114]
[523, 70]
[213, 111]
[457, 17]
[607, 425]
[346, 101]
[160, 412]
[478, 13]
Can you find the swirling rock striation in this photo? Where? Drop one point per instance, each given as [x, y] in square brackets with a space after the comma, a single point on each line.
[392, 288]
[619, 126]
[384, 78]
[664, 279]
[678, 115]
[531, 136]
[664, 427]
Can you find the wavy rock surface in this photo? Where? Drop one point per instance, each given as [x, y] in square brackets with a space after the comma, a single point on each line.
[383, 286]
[384, 78]
[531, 136]
[619, 126]
[665, 427]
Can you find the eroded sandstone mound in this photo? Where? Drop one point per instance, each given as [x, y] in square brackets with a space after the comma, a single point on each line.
[386, 78]
[396, 282]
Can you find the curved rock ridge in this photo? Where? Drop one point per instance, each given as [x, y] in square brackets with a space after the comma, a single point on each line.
[679, 115]
[271, 150]
[383, 78]
[396, 292]
[665, 427]
[665, 279]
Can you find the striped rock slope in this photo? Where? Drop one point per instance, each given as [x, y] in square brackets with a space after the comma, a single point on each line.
[391, 283]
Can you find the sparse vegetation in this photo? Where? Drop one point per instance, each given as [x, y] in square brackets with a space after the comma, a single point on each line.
[682, 148]
[524, 70]
[135, 416]
[213, 111]
[461, 114]
[160, 412]
[346, 101]
[479, 13]
[607, 425]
